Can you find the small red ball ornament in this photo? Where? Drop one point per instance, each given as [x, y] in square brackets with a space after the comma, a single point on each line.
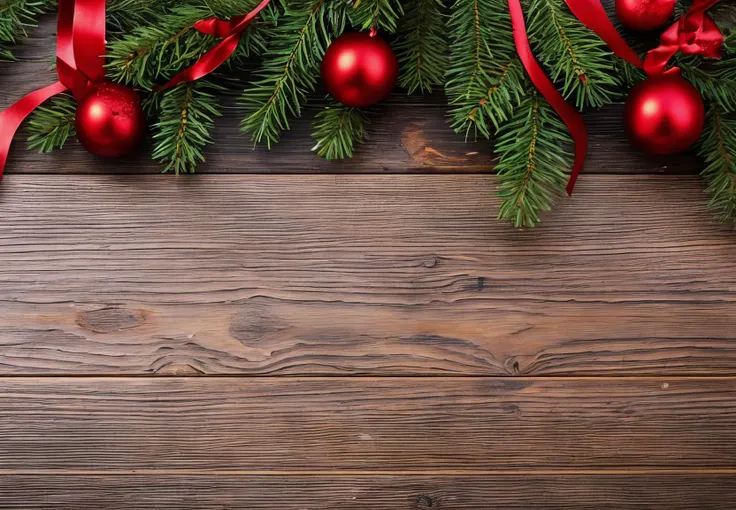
[359, 69]
[644, 14]
[110, 121]
[664, 114]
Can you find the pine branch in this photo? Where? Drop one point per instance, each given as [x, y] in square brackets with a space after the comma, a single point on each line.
[421, 47]
[290, 67]
[379, 14]
[15, 17]
[184, 126]
[718, 147]
[51, 125]
[154, 52]
[716, 81]
[532, 161]
[485, 80]
[124, 15]
[574, 55]
[337, 129]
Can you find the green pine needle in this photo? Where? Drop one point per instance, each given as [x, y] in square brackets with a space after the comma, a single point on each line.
[421, 47]
[337, 129]
[16, 16]
[51, 125]
[575, 56]
[379, 14]
[153, 52]
[184, 126]
[485, 80]
[718, 147]
[290, 67]
[533, 160]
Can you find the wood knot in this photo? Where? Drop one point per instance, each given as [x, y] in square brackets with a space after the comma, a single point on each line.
[254, 325]
[424, 501]
[111, 319]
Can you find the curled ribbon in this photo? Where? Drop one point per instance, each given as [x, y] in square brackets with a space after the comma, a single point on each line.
[80, 60]
[229, 31]
[695, 33]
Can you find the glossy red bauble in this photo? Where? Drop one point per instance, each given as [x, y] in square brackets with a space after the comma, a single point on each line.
[359, 69]
[110, 121]
[664, 114]
[644, 14]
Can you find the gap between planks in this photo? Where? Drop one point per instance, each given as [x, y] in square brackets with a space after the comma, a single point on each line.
[359, 472]
[367, 378]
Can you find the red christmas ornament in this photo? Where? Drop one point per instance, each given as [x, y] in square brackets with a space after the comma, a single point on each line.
[359, 69]
[110, 121]
[645, 14]
[664, 114]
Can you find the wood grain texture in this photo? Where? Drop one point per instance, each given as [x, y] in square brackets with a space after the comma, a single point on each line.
[380, 425]
[407, 135]
[359, 275]
[281, 492]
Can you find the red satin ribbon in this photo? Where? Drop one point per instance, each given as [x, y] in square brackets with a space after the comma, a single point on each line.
[695, 33]
[230, 31]
[569, 115]
[80, 54]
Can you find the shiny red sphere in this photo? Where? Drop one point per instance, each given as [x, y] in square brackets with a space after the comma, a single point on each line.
[359, 69]
[664, 114]
[644, 14]
[110, 121]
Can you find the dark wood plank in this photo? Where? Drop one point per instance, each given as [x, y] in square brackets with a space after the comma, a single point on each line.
[407, 135]
[382, 425]
[280, 492]
[359, 275]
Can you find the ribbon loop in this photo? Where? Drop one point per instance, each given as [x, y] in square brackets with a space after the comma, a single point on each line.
[80, 62]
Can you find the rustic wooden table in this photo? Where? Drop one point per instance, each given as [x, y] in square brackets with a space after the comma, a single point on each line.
[279, 332]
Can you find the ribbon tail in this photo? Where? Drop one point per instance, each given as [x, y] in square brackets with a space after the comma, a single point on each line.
[214, 58]
[592, 14]
[12, 118]
[569, 115]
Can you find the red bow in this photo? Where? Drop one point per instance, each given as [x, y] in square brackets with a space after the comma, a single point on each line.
[695, 33]
[80, 60]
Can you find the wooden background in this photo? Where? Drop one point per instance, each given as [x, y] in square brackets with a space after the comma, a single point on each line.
[279, 332]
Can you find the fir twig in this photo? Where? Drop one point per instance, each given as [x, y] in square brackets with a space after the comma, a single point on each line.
[378, 14]
[290, 68]
[532, 161]
[421, 46]
[51, 125]
[485, 79]
[718, 147]
[15, 17]
[184, 126]
[337, 129]
[575, 56]
[155, 51]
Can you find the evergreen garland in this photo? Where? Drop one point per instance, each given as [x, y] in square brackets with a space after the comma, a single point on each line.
[290, 67]
[465, 47]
